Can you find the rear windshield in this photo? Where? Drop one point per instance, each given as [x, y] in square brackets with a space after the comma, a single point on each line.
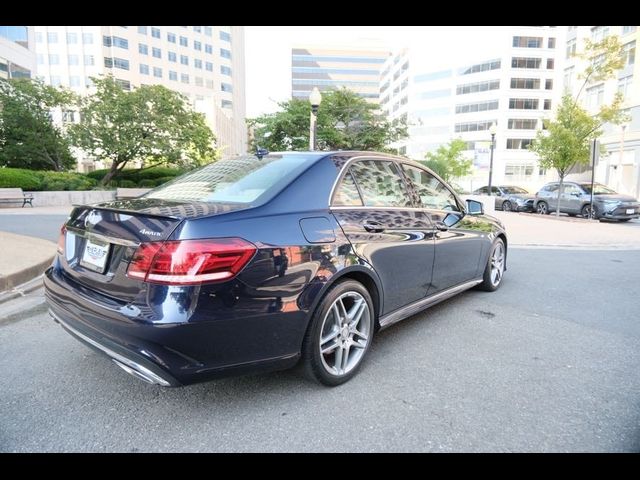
[243, 179]
[514, 190]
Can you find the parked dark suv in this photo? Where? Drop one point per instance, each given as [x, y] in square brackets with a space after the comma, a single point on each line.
[509, 198]
[576, 197]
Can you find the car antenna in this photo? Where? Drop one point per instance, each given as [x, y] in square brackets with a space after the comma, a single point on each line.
[261, 152]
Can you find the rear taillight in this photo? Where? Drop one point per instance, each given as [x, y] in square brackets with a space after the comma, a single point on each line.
[190, 262]
[61, 239]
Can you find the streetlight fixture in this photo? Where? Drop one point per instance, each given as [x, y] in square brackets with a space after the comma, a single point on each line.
[314, 99]
[492, 131]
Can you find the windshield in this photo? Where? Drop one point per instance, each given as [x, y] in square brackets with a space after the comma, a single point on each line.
[514, 190]
[598, 189]
[237, 180]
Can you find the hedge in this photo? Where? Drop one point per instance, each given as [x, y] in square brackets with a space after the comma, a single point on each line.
[39, 180]
[137, 176]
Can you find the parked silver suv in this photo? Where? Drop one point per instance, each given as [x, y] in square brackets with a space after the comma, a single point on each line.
[575, 200]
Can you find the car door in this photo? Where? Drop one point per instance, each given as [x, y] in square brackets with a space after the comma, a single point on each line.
[571, 198]
[549, 194]
[459, 238]
[373, 206]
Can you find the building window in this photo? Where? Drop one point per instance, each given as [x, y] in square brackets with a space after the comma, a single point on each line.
[142, 30]
[225, 87]
[69, 116]
[474, 126]
[208, 31]
[55, 80]
[157, 72]
[184, 60]
[547, 104]
[171, 37]
[224, 53]
[522, 123]
[184, 78]
[518, 143]
[73, 60]
[226, 104]
[525, 62]
[629, 51]
[54, 59]
[595, 96]
[40, 58]
[571, 48]
[120, 63]
[143, 49]
[224, 70]
[209, 84]
[480, 67]
[72, 37]
[184, 42]
[197, 63]
[198, 81]
[208, 66]
[173, 57]
[208, 48]
[551, 42]
[469, 108]
[87, 38]
[523, 103]
[125, 84]
[115, 42]
[550, 63]
[144, 69]
[225, 36]
[52, 37]
[156, 52]
[568, 77]
[477, 87]
[173, 75]
[599, 33]
[155, 32]
[89, 60]
[548, 84]
[197, 45]
[627, 30]
[525, 83]
[197, 29]
[518, 171]
[445, 92]
[39, 37]
[74, 81]
[527, 42]
[624, 84]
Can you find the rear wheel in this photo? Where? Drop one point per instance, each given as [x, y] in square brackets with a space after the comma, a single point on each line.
[506, 206]
[542, 208]
[624, 220]
[494, 271]
[339, 335]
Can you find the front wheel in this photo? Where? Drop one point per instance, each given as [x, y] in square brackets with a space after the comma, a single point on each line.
[589, 211]
[542, 208]
[339, 335]
[506, 206]
[494, 271]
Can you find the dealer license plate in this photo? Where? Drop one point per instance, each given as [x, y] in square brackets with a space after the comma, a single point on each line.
[631, 211]
[95, 255]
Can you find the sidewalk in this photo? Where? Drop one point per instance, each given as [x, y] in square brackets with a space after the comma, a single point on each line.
[58, 210]
[22, 259]
[547, 231]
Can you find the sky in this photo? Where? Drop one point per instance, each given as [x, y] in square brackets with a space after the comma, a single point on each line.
[268, 51]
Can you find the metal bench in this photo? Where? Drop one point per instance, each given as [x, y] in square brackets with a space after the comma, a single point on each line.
[15, 195]
[126, 193]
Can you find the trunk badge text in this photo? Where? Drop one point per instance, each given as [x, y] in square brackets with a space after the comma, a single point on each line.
[144, 231]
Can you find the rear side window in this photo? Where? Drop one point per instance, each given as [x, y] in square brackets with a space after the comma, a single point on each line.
[550, 188]
[237, 180]
[432, 192]
[380, 183]
[347, 194]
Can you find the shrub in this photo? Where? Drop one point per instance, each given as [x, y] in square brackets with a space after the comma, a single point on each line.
[162, 180]
[147, 183]
[137, 175]
[127, 184]
[66, 181]
[19, 178]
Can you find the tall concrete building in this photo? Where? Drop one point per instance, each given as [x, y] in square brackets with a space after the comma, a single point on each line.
[206, 63]
[620, 166]
[357, 69]
[514, 87]
[17, 54]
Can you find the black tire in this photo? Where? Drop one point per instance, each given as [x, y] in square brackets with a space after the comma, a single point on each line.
[314, 363]
[571, 214]
[506, 206]
[488, 285]
[624, 220]
[542, 208]
[585, 211]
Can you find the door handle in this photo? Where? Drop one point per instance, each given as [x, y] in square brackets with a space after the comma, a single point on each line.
[441, 226]
[374, 227]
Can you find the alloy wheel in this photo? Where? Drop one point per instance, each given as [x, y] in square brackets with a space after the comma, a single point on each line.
[542, 208]
[497, 264]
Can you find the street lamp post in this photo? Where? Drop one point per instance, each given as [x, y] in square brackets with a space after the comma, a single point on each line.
[492, 131]
[623, 127]
[314, 99]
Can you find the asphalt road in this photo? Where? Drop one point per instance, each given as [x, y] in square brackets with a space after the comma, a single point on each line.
[40, 226]
[547, 363]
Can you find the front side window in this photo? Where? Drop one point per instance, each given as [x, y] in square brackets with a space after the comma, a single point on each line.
[347, 194]
[380, 184]
[432, 192]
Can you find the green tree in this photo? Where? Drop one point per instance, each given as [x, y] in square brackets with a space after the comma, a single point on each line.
[151, 124]
[448, 161]
[346, 121]
[28, 137]
[565, 142]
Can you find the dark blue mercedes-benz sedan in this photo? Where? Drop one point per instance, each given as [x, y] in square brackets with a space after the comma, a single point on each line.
[255, 263]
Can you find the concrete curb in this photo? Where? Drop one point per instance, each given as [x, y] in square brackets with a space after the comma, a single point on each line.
[9, 283]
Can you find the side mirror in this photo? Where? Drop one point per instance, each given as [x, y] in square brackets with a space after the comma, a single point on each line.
[474, 207]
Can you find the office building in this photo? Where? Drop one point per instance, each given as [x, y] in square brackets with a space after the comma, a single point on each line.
[17, 55]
